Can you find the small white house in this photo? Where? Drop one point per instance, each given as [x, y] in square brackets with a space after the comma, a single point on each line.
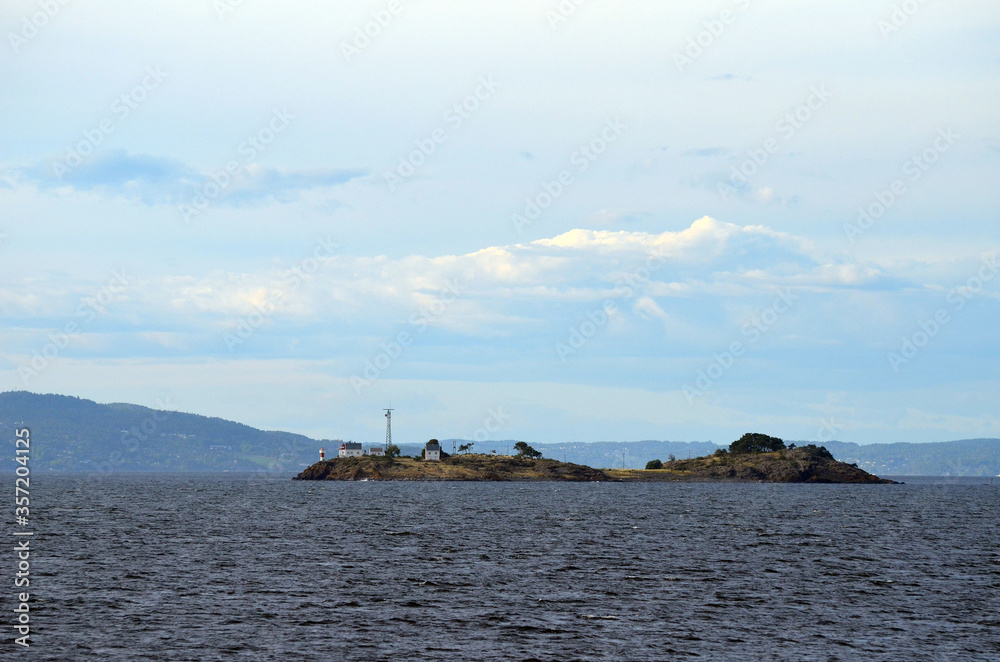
[376, 450]
[350, 449]
[432, 451]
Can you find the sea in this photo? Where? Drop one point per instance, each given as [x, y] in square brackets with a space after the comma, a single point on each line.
[259, 567]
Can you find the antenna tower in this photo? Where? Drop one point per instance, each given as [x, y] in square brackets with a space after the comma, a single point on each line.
[388, 429]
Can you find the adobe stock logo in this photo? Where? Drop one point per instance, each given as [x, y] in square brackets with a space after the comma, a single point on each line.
[915, 168]
[928, 329]
[363, 35]
[753, 331]
[585, 330]
[122, 107]
[420, 320]
[787, 126]
[563, 12]
[221, 180]
[86, 312]
[493, 423]
[47, 10]
[900, 16]
[424, 148]
[324, 251]
[705, 39]
[580, 160]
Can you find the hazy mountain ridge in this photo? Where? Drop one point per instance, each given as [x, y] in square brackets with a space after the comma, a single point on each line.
[963, 457]
[74, 434]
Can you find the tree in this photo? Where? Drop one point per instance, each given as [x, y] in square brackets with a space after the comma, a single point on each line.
[721, 452]
[818, 451]
[392, 450]
[465, 448]
[654, 464]
[755, 442]
[524, 450]
[671, 458]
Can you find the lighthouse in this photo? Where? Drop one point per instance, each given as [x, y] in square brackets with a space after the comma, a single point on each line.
[321, 454]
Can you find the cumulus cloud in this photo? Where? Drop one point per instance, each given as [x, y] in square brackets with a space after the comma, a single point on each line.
[688, 290]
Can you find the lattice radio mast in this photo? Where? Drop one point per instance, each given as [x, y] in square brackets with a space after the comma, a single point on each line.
[388, 429]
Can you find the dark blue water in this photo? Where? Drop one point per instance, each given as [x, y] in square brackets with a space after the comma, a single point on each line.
[229, 567]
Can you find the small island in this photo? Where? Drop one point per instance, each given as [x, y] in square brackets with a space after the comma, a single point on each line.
[753, 458]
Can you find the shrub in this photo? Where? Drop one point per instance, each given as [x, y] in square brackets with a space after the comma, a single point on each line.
[654, 464]
[721, 452]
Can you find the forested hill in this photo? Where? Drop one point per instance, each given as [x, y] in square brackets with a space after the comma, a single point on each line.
[73, 434]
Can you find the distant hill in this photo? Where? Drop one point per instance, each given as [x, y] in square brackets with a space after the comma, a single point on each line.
[73, 434]
[965, 457]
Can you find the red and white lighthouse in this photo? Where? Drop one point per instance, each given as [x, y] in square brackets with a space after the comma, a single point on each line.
[321, 454]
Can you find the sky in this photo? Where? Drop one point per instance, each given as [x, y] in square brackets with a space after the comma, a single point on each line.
[547, 220]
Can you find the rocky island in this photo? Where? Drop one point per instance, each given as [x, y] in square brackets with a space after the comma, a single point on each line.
[454, 467]
[797, 465]
[754, 458]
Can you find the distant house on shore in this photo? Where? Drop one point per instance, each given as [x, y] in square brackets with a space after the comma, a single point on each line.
[432, 451]
[376, 450]
[350, 449]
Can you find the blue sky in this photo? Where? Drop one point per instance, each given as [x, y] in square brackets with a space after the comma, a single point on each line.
[551, 221]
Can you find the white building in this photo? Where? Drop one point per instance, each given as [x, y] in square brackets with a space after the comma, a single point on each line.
[432, 451]
[350, 449]
[376, 450]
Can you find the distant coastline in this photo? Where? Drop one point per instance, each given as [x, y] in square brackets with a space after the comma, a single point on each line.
[76, 434]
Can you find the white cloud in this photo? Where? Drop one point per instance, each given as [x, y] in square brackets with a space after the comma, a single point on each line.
[512, 291]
